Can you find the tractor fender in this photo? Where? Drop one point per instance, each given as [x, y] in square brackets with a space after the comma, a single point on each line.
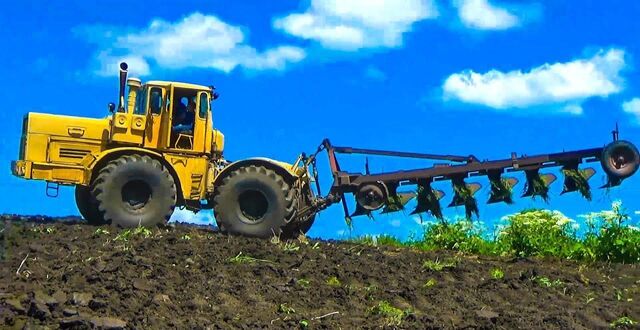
[286, 170]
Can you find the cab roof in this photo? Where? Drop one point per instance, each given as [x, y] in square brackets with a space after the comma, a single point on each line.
[177, 84]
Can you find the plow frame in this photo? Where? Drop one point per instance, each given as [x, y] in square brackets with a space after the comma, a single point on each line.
[457, 170]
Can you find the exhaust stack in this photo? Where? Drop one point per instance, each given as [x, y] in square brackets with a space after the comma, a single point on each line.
[123, 82]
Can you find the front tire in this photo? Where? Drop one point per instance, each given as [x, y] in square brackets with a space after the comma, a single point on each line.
[135, 190]
[88, 206]
[254, 201]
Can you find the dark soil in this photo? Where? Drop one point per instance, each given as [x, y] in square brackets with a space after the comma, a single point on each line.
[75, 276]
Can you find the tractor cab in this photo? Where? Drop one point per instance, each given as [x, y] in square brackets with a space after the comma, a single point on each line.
[167, 116]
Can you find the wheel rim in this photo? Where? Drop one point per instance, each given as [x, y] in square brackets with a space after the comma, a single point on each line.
[136, 194]
[621, 158]
[253, 206]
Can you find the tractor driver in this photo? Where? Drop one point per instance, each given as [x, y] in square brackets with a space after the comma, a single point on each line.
[184, 117]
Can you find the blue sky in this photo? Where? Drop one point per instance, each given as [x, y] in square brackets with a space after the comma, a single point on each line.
[444, 76]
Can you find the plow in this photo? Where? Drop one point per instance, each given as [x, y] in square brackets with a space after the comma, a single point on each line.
[158, 150]
[380, 191]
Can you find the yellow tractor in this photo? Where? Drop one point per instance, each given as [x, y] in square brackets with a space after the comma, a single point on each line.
[158, 150]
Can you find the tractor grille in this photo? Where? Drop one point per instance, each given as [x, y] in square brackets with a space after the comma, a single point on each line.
[73, 153]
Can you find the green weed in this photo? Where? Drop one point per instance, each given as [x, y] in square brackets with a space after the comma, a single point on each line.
[392, 315]
[430, 283]
[100, 232]
[437, 265]
[546, 282]
[129, 234]
[624, 321]
[285, 309]
[497, 274]
[185, 237]
[333, 281]
[242, 259]
[303, 282]
[290, 247]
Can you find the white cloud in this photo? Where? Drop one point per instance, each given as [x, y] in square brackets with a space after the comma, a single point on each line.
[564, 85]
[482, 15]
[632, 107]
[357, 24]
[110, 65]
[197, 40]
[200, 218]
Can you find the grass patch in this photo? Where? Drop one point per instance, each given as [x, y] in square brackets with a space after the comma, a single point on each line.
[393, 316]
[303, 283]
[497, 274]
[624, 321]
[333, 281]
[286, 309]
[242, 259]
[438, 266]
[430, 283]
[128, 234]
[546, 282]
[100, 232]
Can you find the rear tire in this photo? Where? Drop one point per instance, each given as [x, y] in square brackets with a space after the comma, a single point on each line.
[135, 191]
[88, 206]
[254, 201]
[620, 159]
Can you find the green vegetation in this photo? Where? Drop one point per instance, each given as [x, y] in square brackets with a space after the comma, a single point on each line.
[430, 283]
[303, 282]
[623, 322]
[333, 281]
[437, 265]
[533, 233]
[129, 234]
[100, 232]
[497, 274]
[393, 315]
[242, 259]
[185, 237]
[546, 282]
[286, 309]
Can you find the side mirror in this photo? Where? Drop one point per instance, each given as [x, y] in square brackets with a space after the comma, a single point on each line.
[112, 107]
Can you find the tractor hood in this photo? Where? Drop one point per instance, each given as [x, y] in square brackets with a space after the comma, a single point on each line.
[66, 126]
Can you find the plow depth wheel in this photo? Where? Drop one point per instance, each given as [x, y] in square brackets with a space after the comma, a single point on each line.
[620, 159]
[254, 201]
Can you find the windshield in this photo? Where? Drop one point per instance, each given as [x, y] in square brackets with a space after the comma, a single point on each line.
[139, 108]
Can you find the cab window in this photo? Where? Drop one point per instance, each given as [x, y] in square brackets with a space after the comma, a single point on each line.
[204, 106]
[155, 100]
[141, 98]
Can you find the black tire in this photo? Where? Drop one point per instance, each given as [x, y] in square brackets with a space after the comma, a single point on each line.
[254, 201]
[620, 159]
[135, 190]
[88, 206]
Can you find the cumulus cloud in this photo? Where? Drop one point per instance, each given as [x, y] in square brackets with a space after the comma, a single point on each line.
[632, 107]
[357, 24]
[200, 218]
[196, 41]
[482, 15]
[565, 85]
